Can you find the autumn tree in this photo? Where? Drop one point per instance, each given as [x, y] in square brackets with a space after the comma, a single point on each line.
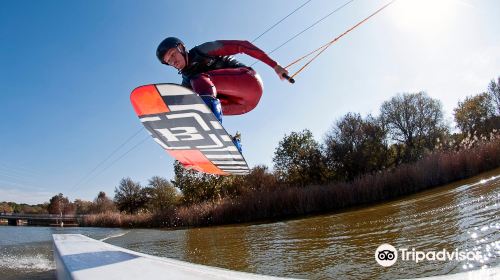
[475, 114]
[494, 92]
[196, 186]
[260, 178]
[355, 146]
[6, 208]
[59, 204]
[82, 207]
[161, 195]
[129, 196]
[102, 203]
[414, 120]
[38, 209]
[298, 160]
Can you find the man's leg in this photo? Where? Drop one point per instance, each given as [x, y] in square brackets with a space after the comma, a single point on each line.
[238, 89]
[205, 88]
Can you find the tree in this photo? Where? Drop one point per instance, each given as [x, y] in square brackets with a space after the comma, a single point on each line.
[82, 206]
[5, 208]
[129, 196]
[16, 207]
[298, 160]
[196, 186]
[38, 209]
[260, 179]
[415, 120]
[162, 195]
[494, 92]
[60, 205]
[475, 114]
[355, 146]
[103, 204]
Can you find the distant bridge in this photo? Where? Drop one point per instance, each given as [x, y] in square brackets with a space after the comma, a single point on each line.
[15, 219]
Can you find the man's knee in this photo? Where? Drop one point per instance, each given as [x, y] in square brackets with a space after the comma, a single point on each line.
[203, 85]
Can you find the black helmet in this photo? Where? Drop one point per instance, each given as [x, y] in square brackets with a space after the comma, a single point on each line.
[165, 45]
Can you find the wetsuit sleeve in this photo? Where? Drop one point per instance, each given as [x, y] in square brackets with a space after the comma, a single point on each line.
[231, 47]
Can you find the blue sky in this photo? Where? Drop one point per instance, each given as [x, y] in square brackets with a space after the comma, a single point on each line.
[67, 69]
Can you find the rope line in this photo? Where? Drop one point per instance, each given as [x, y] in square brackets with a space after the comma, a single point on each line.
[104, 160]
[119, 158]
[325, 46]
[307, 28]
[311, 26]
[281, 20]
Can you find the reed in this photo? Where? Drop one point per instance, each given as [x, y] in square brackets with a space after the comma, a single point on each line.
[116, 219]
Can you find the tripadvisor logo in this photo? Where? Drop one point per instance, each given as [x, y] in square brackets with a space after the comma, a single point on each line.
[386, 255]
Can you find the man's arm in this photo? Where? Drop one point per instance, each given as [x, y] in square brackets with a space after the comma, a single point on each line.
[231, 47]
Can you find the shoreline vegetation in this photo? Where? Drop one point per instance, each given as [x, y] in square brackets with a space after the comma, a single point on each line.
[407, 148]
[435, 170]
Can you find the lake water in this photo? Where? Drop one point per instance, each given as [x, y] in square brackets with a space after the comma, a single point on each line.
[463, 216]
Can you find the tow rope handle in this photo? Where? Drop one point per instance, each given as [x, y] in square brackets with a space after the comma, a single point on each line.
[290, 79]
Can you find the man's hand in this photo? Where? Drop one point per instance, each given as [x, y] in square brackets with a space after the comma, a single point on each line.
[280, 71]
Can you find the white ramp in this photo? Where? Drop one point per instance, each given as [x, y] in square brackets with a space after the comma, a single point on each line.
[478, 274]
[81, 257]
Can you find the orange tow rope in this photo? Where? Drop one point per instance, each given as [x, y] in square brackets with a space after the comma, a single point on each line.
[325, 46]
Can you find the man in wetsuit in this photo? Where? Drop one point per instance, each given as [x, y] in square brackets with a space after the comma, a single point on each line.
[227, 86]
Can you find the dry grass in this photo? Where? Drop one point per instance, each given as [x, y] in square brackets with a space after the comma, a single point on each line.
[116, 219]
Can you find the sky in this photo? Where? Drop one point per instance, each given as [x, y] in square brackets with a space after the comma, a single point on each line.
[67, 69]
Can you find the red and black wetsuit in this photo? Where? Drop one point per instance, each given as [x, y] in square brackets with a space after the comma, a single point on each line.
[211, 70]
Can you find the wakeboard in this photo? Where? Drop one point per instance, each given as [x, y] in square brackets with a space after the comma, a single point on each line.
[182, 124]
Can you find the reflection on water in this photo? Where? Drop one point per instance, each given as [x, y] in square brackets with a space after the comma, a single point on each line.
[463, 216]
[231, 241]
